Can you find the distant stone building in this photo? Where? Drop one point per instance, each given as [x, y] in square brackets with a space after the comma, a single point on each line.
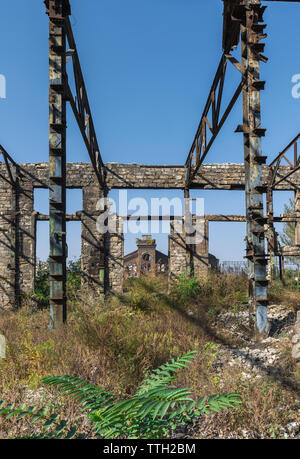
[146, 260]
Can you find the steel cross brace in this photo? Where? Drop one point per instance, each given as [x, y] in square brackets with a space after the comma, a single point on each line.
[209, 129]
[82, 112]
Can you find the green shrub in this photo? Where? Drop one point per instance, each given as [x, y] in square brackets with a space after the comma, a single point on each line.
[187, 286]
[153, 411]
[42, 281]
[73, 277]
[42, 285]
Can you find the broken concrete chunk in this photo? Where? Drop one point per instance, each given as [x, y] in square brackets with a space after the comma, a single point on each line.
[296, 352]
[2, 347]
[296, 339]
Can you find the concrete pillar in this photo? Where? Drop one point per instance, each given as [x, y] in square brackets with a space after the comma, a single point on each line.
[114, 244]
[200, 250]
[178, 261]
[92, 243]
[26, 236]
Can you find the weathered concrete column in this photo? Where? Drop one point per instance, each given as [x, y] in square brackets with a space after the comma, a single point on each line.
[188, 231]
[26, 236]
[178, 260]
[200, 250]
[92, 242]
[114, 244]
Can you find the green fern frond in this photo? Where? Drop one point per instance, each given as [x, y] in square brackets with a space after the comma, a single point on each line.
[90, 396]
[51, 429]
[166, 373]
[217, 403]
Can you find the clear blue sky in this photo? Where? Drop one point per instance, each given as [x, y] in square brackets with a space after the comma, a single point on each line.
[148, 67]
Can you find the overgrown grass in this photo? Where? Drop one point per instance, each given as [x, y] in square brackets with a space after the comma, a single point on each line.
[286, 293]
[213, 292]
[114, 345]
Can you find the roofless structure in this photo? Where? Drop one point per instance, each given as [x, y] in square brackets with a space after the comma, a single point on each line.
[102, 255]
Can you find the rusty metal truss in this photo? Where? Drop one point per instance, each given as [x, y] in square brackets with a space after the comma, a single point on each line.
[274, 178]
[211, 120]
[81, 109]
[294, 164]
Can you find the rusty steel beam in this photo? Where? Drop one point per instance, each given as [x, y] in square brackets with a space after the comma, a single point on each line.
[251, 49]
[225, 218]
[231, 24]
[58, 11]
[210, 218]
[77, 217]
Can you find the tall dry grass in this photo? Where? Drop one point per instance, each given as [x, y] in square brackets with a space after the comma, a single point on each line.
[114, 344]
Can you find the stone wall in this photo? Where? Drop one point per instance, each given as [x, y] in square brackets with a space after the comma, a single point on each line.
[17, 223]
[210, 176]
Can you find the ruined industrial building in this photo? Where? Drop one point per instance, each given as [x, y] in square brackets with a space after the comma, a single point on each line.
[149, 266]
[103, 264]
